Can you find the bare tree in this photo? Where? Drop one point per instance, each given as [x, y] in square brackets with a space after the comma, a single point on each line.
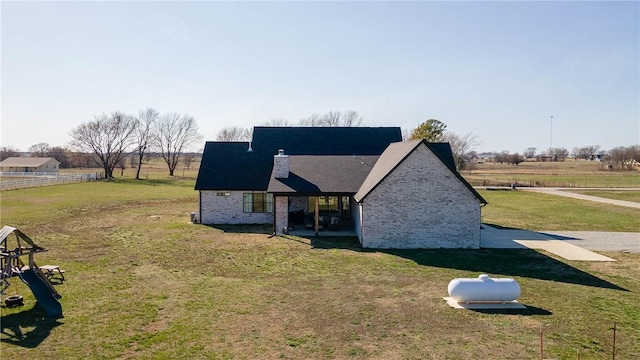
[461, 146]
[349, 118]
[173, 134]
[61, 154]
[45, 150]
[8, 151]
[81, 159]
[188, 159]
[332, 119]
[406, 134]
[625, 156]
[144, 125]
[278, 122]
[529, 152]
[585, 152]
[315, 120]
[502, 157]
[108, 136]
[39, 150]
[558, 154]
[133, 161]
[515, 158]
[234, 133]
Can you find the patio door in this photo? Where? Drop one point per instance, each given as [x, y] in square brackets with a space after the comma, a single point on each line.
[345, 207]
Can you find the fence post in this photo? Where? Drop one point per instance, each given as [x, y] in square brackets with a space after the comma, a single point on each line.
[614, 341]
[541, 346]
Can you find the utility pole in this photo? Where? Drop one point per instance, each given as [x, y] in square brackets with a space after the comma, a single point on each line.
[551, 136]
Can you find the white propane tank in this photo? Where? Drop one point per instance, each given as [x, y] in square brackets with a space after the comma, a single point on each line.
[484, 288]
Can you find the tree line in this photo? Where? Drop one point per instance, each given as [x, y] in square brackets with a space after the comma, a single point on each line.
[621, 157]
[348, 118]
[108, 139]
[112, 137]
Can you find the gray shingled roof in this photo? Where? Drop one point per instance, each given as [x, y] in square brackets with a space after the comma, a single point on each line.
[330, 174]
[228, 165]
[26, 161]
[395, 154]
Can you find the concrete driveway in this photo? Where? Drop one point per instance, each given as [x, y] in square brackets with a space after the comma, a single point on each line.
[560, 242]
[492, 237]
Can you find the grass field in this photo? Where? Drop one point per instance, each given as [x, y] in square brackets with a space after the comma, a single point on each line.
[551, 174]
[145, 283]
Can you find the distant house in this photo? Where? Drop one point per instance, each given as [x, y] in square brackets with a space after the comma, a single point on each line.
[391, 194]
[30, 164]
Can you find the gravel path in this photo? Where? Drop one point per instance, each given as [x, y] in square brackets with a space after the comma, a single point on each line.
[560, 192]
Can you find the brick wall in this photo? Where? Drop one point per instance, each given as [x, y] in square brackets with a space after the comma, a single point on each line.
[216, 209]
[281, 204]
[421, 204]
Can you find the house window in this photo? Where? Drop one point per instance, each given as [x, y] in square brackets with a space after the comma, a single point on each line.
[257, 202]
[223, 193]
[325, 203]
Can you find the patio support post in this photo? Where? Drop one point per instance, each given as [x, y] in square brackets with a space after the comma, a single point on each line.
[280, 214]
[317, 215]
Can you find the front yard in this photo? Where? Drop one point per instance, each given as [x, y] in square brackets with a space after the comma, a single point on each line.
[145, 283]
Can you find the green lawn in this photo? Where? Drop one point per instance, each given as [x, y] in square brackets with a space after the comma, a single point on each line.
[535, 211]
[145, 283]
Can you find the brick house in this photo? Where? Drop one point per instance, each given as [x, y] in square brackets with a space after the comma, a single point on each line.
[362, 180]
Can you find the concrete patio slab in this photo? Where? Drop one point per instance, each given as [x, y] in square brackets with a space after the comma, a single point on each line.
[509, 305]
[563, 249]
[501, 238]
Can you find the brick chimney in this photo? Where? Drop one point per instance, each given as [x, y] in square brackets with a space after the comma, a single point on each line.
[281, 165]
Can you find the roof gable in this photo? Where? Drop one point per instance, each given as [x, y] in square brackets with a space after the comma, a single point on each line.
[230, 166]
[396, 153]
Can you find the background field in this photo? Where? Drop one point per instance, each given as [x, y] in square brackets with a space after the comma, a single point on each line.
[145, 283]
[552, 174]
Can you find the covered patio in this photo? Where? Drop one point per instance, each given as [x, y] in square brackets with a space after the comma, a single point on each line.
[315, 193]
[329, 215]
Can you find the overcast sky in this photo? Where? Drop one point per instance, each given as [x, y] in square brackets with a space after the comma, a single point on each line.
[498, 70]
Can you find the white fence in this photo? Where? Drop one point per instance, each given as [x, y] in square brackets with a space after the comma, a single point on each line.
[37, 179]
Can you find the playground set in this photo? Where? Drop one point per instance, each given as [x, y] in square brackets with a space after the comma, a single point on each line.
[35, 277]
